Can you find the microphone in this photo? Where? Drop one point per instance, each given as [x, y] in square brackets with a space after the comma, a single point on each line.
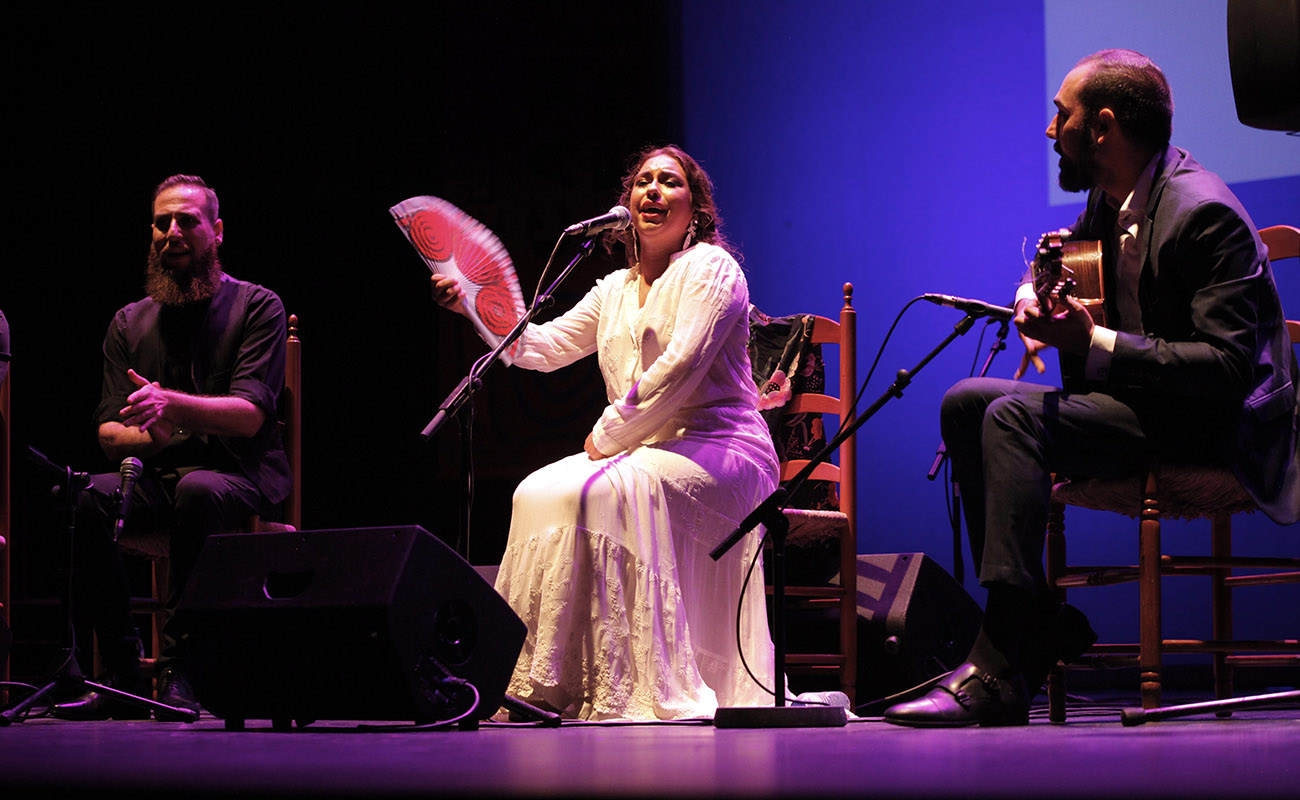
[132, 468]
[616, 219]
[976, 308]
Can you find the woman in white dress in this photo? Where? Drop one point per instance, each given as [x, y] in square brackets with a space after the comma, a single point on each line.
[607, 560]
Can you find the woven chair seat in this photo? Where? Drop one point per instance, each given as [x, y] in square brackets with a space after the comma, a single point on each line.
[810, 527]
[1186, 491]
[813, 545]
[153, 546]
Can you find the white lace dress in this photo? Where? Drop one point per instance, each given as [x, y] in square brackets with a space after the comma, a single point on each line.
[608, 561]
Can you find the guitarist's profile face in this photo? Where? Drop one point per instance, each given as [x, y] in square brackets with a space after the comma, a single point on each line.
[1072, 132]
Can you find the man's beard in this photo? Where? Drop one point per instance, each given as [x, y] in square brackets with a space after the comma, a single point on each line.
[173, 287]
[1079, 174]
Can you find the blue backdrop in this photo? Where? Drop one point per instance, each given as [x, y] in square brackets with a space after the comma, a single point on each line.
[901, 146]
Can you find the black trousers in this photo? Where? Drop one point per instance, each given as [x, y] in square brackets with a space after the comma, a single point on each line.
[1006, 439]
[188, 504]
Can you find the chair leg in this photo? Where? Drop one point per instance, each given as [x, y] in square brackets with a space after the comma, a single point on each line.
[1221, 600]
[1149, 631]
[848, 619]
[158, 613]
[1055, 556]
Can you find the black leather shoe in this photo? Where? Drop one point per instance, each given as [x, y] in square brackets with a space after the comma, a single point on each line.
[968, 696]
[174, 690]
[1063, 637]
[95, 705]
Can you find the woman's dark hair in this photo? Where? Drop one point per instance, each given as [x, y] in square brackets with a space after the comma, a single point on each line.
[708, 226]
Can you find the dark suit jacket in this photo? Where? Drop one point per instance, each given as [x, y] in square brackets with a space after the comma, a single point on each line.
[1215, 347]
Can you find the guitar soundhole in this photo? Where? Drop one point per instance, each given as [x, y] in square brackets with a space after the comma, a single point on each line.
[1079, 258]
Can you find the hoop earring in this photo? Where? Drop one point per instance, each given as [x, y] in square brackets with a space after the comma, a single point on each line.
[690, 232]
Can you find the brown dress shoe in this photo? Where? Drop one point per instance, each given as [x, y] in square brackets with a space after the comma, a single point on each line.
[968, 696]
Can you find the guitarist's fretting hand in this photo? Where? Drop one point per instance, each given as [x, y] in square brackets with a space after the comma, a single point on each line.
[1032, 346]
[1030, 357]
[1067, 328]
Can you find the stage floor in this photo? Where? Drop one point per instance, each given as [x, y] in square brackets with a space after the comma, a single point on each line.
[1253, 754]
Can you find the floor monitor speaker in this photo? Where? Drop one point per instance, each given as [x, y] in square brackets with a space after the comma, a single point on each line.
[915, 622]
[352, 624]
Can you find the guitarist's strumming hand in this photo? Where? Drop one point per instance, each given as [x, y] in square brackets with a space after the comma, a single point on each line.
[1067, 327]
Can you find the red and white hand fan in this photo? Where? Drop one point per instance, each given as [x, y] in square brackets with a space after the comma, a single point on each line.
[455, 244]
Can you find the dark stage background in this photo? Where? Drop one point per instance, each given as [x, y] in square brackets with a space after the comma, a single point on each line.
[310, 123]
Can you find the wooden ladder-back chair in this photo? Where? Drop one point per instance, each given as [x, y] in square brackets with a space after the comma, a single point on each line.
[153, 547]
[1176, 491]
[291, 435]
[842, 524]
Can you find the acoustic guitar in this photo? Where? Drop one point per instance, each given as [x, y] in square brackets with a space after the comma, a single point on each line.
[1062, 268]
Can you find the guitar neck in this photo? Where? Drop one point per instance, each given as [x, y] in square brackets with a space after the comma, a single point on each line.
[1064, 268]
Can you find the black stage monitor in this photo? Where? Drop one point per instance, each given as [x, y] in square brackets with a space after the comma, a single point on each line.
[354, 624]
[1264, 56]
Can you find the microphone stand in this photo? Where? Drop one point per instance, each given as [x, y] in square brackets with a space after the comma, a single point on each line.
[770, 513]
[68, 674]
[452, 405]
[941, 455]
